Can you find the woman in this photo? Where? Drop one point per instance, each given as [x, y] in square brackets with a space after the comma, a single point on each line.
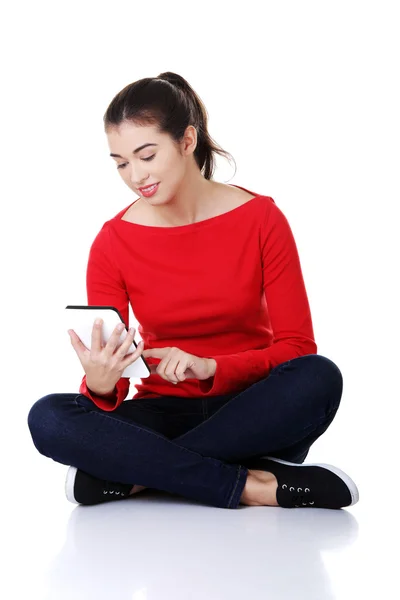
[239, 393]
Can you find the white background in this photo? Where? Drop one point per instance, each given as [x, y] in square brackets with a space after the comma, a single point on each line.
[305, 96]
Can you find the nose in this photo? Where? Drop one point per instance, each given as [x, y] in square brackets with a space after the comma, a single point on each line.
[138, 181]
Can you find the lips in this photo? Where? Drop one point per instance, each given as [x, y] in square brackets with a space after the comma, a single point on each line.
[143, 189]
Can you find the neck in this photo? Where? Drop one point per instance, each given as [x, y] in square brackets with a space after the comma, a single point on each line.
[190, 203]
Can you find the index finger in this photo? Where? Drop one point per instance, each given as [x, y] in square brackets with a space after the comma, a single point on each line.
[96, 335]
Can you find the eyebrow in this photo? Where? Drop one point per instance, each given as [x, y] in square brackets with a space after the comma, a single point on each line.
[135, 151]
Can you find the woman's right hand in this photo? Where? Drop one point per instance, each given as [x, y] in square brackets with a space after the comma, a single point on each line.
[104, 365]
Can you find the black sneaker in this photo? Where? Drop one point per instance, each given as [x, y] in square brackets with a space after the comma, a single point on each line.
[310, 485]
[82, 488]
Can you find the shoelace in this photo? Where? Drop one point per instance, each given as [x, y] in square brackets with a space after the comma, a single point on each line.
[298, 499]
[112, 487]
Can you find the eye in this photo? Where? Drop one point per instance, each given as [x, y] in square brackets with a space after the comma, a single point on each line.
[146, 159]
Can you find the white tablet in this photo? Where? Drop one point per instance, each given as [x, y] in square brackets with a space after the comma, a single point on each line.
[81, 319]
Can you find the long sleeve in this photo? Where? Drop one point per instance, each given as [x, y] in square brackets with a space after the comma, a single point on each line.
[105, 287]
[288, 308]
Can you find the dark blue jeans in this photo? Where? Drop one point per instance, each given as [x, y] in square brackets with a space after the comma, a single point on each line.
[193, 447]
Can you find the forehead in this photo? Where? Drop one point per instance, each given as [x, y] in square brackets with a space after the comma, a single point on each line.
[132, 132]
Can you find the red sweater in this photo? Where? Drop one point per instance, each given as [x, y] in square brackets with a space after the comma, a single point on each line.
[229, 287]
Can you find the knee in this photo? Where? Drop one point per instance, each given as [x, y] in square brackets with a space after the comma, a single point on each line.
[43, 422]
[327, 379]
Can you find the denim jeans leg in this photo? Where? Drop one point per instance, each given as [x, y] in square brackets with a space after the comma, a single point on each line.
[289, 406]
[71, 430]
[297, 453]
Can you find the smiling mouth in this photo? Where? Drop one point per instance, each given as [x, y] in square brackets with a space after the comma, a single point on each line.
[150, 187]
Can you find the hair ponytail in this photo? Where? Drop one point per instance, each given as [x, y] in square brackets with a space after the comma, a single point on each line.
[170, 103]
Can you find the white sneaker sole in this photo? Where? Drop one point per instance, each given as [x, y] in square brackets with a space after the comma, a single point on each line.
[69, 484]
[348, 481]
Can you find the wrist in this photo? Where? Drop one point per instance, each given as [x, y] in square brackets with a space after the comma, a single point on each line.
[102, 393]
[212, 366]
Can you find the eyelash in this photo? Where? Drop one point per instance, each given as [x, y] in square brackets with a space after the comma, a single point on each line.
[146, 159]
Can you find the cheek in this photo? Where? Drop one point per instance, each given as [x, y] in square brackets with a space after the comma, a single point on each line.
[125, 177]
[127, 180]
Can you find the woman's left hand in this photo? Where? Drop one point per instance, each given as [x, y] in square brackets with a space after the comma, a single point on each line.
[177, 365]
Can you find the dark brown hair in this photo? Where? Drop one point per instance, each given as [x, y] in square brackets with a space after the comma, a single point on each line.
[169, 103]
